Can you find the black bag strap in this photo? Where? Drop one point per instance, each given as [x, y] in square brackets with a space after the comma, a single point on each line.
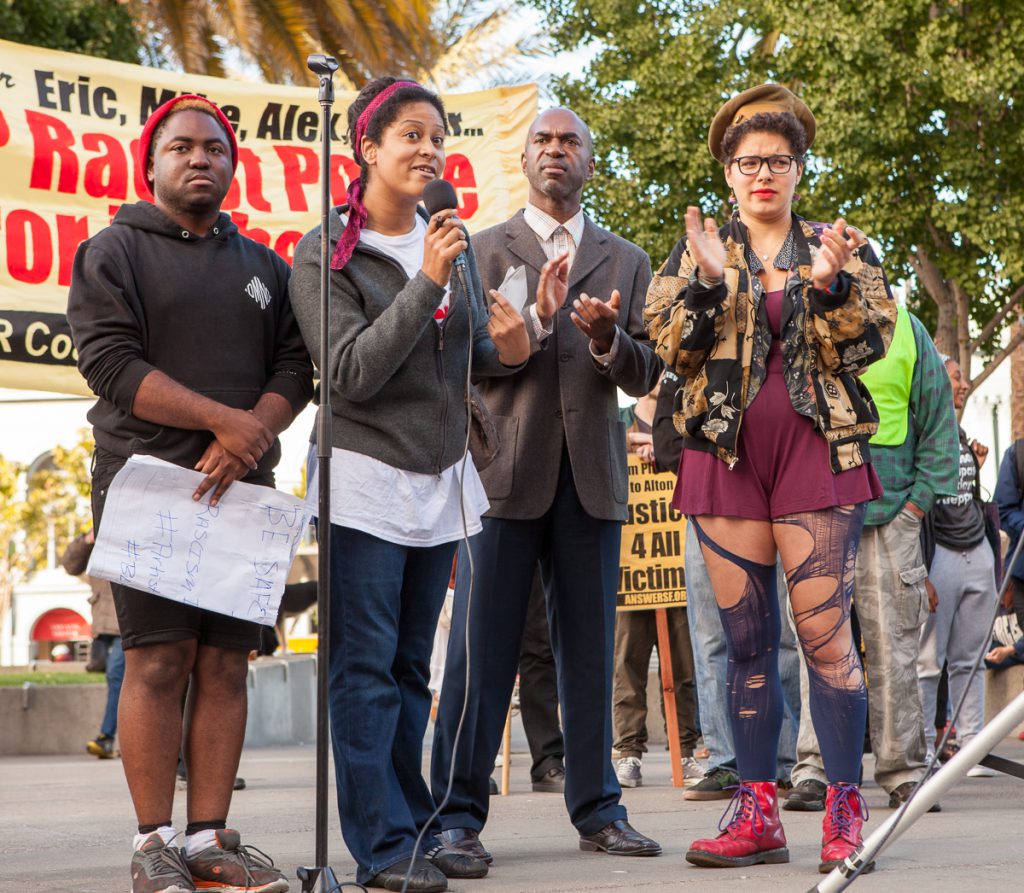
[1018, 449]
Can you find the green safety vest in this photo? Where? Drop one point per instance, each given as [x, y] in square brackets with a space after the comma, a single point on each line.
[889, 382]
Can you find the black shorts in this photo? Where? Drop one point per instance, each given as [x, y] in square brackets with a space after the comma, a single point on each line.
[148, 619]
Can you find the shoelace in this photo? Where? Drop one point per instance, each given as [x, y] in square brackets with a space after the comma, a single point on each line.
[744, 808]
[167, 861]
[251, 857]
[841, 816]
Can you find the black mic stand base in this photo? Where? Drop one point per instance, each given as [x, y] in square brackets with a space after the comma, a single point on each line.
[322, 880]
[318, 880]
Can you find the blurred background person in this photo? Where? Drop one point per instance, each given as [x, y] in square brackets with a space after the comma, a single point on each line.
[636, 636]
[105, 630]
[961, 567]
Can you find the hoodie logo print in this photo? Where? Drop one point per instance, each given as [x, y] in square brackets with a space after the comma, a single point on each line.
[258, 292]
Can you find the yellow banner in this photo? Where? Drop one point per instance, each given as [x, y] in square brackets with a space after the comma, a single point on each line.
[651, 555]
[69, 127]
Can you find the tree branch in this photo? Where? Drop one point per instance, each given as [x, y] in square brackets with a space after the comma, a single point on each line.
[991, 366]
[929, 274]
[993, 325]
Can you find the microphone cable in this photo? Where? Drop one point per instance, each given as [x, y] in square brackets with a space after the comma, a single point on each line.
[855, 865]
[460, 270]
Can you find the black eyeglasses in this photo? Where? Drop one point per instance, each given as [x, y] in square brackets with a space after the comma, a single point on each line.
[777, 164]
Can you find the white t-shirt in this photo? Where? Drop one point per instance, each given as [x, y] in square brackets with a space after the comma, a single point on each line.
[399, 506]
[408, 251]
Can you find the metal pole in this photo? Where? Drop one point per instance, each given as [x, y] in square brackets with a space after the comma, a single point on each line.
[970, 754]
[930, 790]
[321, 877]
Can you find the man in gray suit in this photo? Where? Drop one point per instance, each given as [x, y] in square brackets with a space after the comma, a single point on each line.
[558, 495]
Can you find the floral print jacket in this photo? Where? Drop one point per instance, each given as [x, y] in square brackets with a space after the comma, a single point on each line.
[718, 340]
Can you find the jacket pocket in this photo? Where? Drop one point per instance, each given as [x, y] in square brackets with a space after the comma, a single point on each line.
[617, 457]
[499, 476]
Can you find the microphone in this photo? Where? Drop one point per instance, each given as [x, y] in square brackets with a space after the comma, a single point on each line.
[439, 195]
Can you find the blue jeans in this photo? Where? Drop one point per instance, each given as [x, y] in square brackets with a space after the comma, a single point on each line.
[710, 663]
[115, 676]
[385, 601]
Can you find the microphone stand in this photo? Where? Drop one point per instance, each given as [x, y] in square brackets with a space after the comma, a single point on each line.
[320, 878]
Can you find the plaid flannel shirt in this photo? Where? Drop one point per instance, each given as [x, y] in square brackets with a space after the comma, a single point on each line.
[925, 466]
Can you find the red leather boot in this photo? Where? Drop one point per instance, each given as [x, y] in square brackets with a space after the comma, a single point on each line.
[753, 834]
[845, 812]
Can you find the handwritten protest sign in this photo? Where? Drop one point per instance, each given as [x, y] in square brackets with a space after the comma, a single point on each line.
[232, 558]
[69, 131]
[651, 555]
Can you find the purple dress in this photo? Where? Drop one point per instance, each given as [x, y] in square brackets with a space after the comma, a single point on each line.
[783, 465]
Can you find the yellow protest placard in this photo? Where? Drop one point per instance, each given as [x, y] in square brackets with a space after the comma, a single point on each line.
[69, 128]
[651, 555]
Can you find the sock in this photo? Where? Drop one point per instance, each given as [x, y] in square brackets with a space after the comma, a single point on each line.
[165, 830]
[202, 835]
[201, 840]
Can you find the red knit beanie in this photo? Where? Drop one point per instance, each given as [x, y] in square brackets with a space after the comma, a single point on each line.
[158, 115]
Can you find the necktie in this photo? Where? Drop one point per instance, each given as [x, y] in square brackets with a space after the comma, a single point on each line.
[563, 242]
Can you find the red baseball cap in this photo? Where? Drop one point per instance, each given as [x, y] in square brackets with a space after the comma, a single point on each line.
[158, 115]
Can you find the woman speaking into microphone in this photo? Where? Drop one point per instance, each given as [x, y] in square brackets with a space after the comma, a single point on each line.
[403, 331]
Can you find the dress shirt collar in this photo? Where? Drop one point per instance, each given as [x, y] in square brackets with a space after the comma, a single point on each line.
[544, 224]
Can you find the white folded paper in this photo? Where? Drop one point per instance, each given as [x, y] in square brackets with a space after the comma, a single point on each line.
[232, 558]
[513, 287]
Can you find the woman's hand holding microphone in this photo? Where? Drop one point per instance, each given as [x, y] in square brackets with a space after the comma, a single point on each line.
[444, 242]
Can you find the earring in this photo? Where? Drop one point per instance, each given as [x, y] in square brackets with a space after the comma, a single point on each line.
[796, 197]
[732, 198]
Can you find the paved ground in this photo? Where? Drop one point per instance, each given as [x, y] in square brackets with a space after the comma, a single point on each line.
[65, 828]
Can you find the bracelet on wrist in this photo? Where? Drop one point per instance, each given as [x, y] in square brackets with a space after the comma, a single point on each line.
[709, 281]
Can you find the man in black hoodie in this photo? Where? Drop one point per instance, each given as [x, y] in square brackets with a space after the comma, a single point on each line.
[185, 334]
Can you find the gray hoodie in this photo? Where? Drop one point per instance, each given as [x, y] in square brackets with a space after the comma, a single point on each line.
[397, 378]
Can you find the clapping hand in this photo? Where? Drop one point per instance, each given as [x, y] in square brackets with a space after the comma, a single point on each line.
[838, 243]
[704, 245]
[552, 287]
[597, 319]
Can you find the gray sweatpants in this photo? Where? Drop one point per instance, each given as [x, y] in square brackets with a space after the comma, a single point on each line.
[966, 585]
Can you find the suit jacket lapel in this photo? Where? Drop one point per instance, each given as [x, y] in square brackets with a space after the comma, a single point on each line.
[523, 242]
[589, 253]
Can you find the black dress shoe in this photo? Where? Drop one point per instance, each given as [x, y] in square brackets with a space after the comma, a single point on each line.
[620, 839]
[455, 863]
[425, 878]
[466, 841]
[551, 782]
[492, 786]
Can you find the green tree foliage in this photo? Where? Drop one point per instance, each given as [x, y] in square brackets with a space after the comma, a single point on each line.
[95, 27]
[51, 497]
[390, 37]
[919, 137]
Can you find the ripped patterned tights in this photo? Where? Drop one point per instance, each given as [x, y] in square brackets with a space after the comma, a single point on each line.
[819, 551]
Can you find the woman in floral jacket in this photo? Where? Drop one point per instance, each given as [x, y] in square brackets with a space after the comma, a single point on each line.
[769, 319]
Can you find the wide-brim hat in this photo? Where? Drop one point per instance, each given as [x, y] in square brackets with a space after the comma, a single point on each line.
[765, 98]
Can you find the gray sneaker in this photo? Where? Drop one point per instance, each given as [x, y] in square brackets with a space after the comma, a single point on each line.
[718, 784]
[627, 771]
[229, 867]
[160, 868]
